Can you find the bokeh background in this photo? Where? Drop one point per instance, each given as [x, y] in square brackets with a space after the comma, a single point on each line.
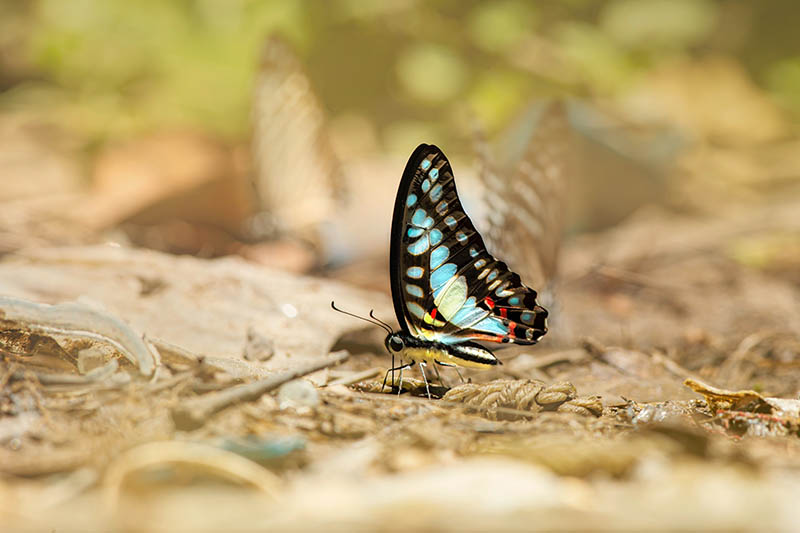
[266, 139]
[134, 122]
[401, 69]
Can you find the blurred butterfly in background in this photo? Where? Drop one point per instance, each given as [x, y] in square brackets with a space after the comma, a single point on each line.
[298, 179]
[448, 291]
[525, 193]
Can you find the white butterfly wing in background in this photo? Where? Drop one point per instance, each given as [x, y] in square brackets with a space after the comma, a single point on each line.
[298, 179]
[526, 193]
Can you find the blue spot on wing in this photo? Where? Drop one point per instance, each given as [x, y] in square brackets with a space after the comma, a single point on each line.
[466, 317]
[414, 290]
[434, 174]
[501, 291]
[419, 246]
[436, 237]
[415, 309]
[421, 219]
[468, 314]
[426, 185]
[442, 275]
[418, 217]
[415, 232]
[425, 164]
[491, 324]
[411, 200]
[414, 272]
[436, 193]
[438, 256]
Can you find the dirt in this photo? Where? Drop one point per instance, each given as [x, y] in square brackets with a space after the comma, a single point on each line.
[593, 428]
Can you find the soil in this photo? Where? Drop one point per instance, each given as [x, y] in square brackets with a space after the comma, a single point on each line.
[665, 395]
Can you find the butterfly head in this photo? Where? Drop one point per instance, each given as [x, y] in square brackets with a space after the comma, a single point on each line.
[394, 343]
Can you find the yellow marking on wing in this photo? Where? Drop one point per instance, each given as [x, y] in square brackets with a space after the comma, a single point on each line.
[428, 319]
[452, 298]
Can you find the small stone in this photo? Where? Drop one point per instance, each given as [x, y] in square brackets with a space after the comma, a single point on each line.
[298, 394]
[257, 347]
[89, 359]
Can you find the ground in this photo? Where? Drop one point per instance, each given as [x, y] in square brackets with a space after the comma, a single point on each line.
[612, 421]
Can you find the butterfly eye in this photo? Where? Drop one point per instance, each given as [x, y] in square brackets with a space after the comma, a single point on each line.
[396, 344]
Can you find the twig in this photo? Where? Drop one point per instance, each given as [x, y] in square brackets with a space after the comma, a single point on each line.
[593, 347]
[356, 377]
[730, 367]
[193, 414]
[598, 352]
[47, 378]
[173, 351]
[171, 381]
[670, 365]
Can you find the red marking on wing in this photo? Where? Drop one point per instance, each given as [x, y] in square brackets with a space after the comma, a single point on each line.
[511, 326]
[490, 338]
[489, 302]
[433, 312]
[504, 312]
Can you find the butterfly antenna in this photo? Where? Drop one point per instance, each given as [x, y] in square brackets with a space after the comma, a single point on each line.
[374, 322]
[372, 314]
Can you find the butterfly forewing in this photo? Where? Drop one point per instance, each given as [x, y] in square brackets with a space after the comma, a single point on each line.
[298, 178]
[445, 284]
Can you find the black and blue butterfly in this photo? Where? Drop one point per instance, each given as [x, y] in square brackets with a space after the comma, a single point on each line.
[449, 293]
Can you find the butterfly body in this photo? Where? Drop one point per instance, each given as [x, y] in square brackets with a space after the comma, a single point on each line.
[466, 354]
[448, 291]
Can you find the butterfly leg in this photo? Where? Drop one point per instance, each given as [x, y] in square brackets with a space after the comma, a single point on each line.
[438, 375]
[456, 369]
[400, 387]
[422, 367]
[391, 370]
[384, 378]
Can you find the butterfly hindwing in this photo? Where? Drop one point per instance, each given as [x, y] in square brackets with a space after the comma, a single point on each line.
[526, 196]
[445, 284]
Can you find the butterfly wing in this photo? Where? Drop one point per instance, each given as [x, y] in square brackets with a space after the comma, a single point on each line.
[445, 284]
[298, 178]
[526, 204]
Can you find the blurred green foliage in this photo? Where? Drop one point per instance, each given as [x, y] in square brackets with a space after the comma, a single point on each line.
[111, 68]
[116, 67]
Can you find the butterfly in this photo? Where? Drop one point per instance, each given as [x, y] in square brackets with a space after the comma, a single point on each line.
[449, 292]
[290, 139]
